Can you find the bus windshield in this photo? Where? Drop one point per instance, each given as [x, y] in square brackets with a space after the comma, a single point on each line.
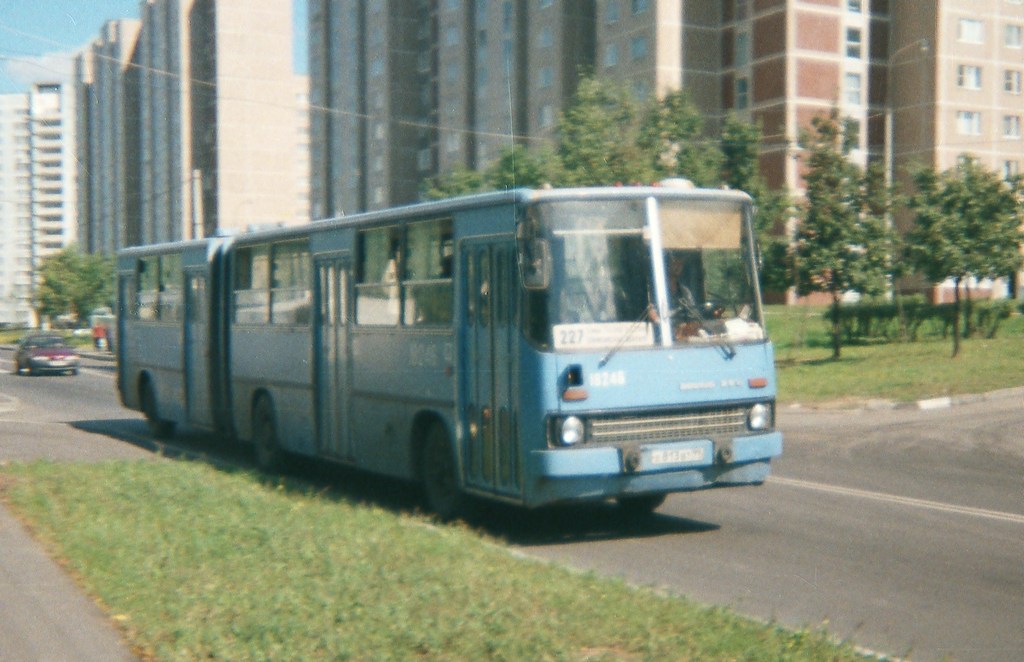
[605, 274]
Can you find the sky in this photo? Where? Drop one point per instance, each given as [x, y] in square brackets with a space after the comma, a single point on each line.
[38, 38]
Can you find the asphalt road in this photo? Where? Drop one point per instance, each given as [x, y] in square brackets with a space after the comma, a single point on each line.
[43, 613]
[900, 530]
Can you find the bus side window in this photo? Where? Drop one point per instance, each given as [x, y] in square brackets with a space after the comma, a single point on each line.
[148, 288]
[290, 296]
[252, 282]
[428, 278]
[172, 296]
[378, 295]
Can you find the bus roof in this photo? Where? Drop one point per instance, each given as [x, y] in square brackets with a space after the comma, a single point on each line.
[449, 206]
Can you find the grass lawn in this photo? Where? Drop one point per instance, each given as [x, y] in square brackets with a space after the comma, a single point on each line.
[893, 371]
[195, 562]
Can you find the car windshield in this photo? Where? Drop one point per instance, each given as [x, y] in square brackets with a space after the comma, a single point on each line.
[638, 273]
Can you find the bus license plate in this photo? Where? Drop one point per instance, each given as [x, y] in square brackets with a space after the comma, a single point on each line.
[676, 455]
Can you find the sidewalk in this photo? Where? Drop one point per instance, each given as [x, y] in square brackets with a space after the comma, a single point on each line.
[43, 614]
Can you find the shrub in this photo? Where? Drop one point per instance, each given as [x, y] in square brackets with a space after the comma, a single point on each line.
[870, 320]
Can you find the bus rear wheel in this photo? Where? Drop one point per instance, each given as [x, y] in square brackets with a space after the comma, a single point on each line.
[158, 427]
[264, 435]
[439, 474]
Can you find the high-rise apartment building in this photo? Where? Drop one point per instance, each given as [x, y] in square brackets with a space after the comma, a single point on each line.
[402, 91]
[109, 199]
[194, 123]
[15, 211]
[37, 194]
[957, 68]
[54, 170]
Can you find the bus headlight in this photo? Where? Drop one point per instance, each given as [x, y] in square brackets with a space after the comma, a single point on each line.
[759, 417]
[572, 431]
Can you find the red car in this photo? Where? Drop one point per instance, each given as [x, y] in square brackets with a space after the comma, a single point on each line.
[45, 352]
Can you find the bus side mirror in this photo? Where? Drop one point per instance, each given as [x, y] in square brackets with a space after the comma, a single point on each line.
[535, 264]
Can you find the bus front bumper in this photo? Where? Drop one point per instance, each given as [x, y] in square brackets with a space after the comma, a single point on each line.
[608, 472]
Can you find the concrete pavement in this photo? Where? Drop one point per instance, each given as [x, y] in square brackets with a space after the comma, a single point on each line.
[44, 616]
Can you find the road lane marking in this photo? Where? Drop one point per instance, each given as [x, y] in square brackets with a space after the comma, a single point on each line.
[904, 501]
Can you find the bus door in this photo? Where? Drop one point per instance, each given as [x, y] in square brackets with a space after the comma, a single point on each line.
[126, 302]
[491, 457]
[198, 370]
[331, 358]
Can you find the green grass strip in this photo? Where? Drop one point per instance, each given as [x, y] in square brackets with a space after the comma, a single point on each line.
[197, 562]
[897, 371]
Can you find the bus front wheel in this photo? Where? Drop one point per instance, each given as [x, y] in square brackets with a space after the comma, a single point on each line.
[264, 435]
[439, 473]
[158, 427]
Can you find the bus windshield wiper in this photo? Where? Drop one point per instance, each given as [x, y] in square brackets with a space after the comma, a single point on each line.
[645, 315]
[721, 341]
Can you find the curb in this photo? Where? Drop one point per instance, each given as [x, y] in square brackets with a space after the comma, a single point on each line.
[928, 404]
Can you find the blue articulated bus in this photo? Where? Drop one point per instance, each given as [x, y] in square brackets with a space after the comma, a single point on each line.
[529, 346]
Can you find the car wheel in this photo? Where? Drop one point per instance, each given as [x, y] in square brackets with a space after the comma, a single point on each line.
[266, 445]
[439, 474]
[158, 427]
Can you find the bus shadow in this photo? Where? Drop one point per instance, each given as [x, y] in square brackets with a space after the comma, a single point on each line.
[550, 525]
[555, 525]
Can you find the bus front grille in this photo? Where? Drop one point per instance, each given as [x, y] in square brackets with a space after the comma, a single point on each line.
[697, 424]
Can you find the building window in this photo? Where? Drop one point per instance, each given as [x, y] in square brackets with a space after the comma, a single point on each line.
[742, 48]
[853, 42]
[968, 77]
[970, 30]
[547, 77]
[638, 48]
[1013, 36]
[968, 123]
[853, 89]
[741, 9]
[855, 6]
[1012, 81]
[451, 36]
[742, 93]
[611, 12]
[547, 116]
[639, 6]
[546, 37]
[611, 55]
[1011, 127]
[1011, 169]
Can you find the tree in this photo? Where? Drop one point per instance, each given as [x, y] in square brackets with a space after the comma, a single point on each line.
[841, 243]
[72, 282]
[671, 137]
[459, 181]
[966, 225]
[597, 137]
[741, 146]
[519, 166]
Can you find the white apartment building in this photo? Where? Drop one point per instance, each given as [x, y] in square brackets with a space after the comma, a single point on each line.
[195, 124]
[37, 193]
[15, 211]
